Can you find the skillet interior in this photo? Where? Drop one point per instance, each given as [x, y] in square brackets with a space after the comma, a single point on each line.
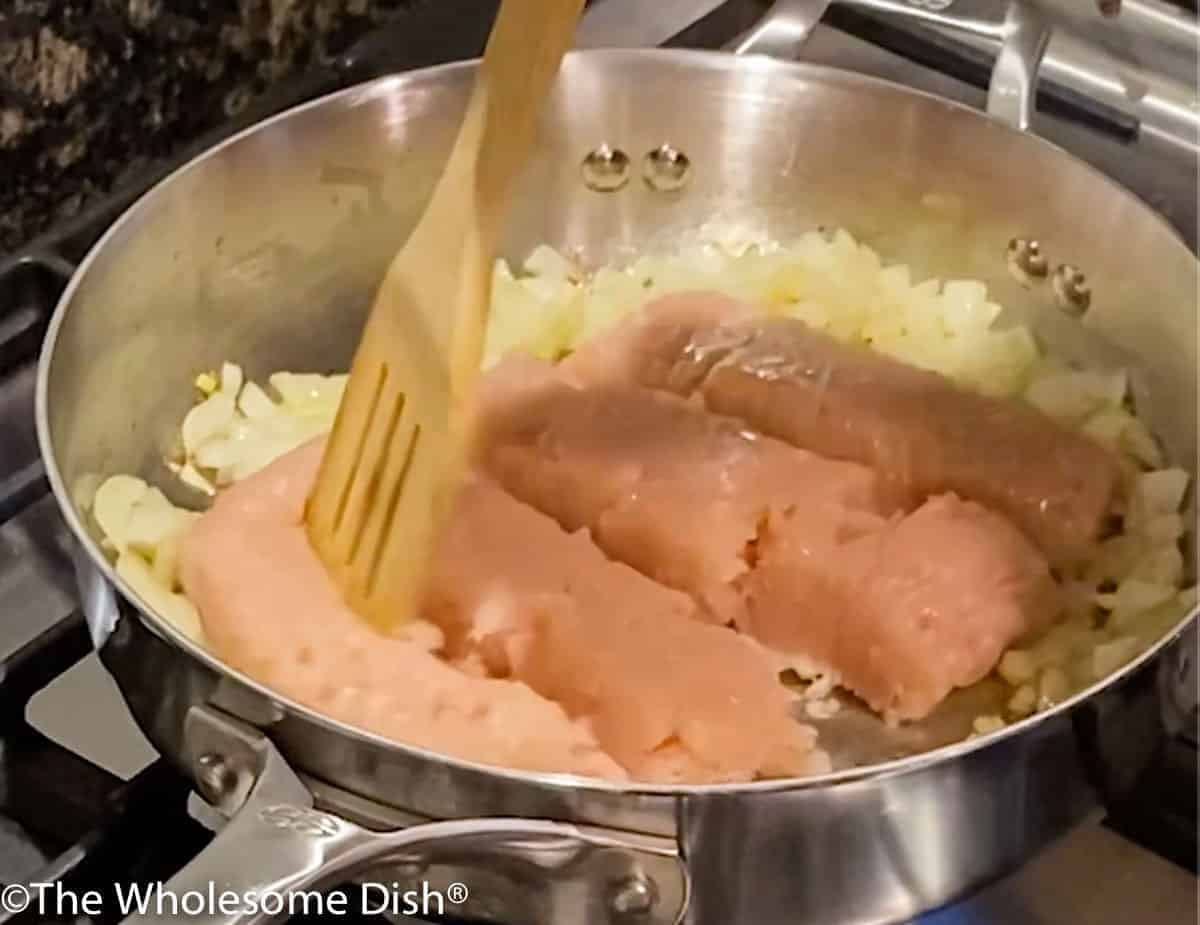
[266, 250]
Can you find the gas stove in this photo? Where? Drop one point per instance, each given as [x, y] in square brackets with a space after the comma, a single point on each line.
[86, 802]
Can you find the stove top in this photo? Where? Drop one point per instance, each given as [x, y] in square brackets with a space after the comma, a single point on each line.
[86, 802]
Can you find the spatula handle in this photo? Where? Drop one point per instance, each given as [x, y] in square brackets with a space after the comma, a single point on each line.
[528, 41]
[522, 58]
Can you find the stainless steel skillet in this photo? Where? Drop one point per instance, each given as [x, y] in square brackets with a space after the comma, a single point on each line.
[282, 232]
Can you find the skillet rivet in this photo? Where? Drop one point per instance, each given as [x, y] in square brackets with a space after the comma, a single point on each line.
[215, 778]
[605, 169]
[1025, 260]
[666, 169]
[409, 868]
[635, 895]
[1071, 289]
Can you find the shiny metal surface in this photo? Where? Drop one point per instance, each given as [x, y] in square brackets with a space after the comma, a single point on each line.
[237, 255]
[1164, 106]
[637, 24]
[275, 841]
[1149, 92]
[1023, 32]
[1154, 90]
[1144, 33]
[1012, 92]
[1156, 34]
[1142, 100]
[1157, 163]
[605, 169]
[784, 31]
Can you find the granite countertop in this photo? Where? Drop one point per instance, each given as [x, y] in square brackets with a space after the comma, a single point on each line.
[92, 91]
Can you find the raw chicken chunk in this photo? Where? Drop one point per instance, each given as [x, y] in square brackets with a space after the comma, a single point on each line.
[270, 610]
[808, 554]
[924, 434]
[678, 493]
[625, 679]
[672, 699]
[646, 345]
[907, 613]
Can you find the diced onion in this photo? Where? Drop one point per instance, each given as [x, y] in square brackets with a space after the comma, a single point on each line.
[1109, 656]
[1119, 602]
[173, 607]
[209, 419]
[985, 725]
[1133, 597]
[1053, 687]
[1072, 396]
[1137, 440]
[1157, 493]
[255, 403]
[1017, 667]
[549, 264]
[1162, 566]
[1023, 701]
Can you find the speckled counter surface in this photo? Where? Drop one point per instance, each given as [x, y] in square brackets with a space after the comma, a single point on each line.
[93, 91]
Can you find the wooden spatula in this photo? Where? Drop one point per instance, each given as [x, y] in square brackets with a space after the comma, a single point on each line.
[400, 441]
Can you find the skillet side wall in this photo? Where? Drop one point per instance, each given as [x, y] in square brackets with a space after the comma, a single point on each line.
[881, 849]
[266, 252]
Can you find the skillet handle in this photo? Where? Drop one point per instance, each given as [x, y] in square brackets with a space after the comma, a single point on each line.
[278, 853]
[1024, 33]
[1012, 90]
[783, 30]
